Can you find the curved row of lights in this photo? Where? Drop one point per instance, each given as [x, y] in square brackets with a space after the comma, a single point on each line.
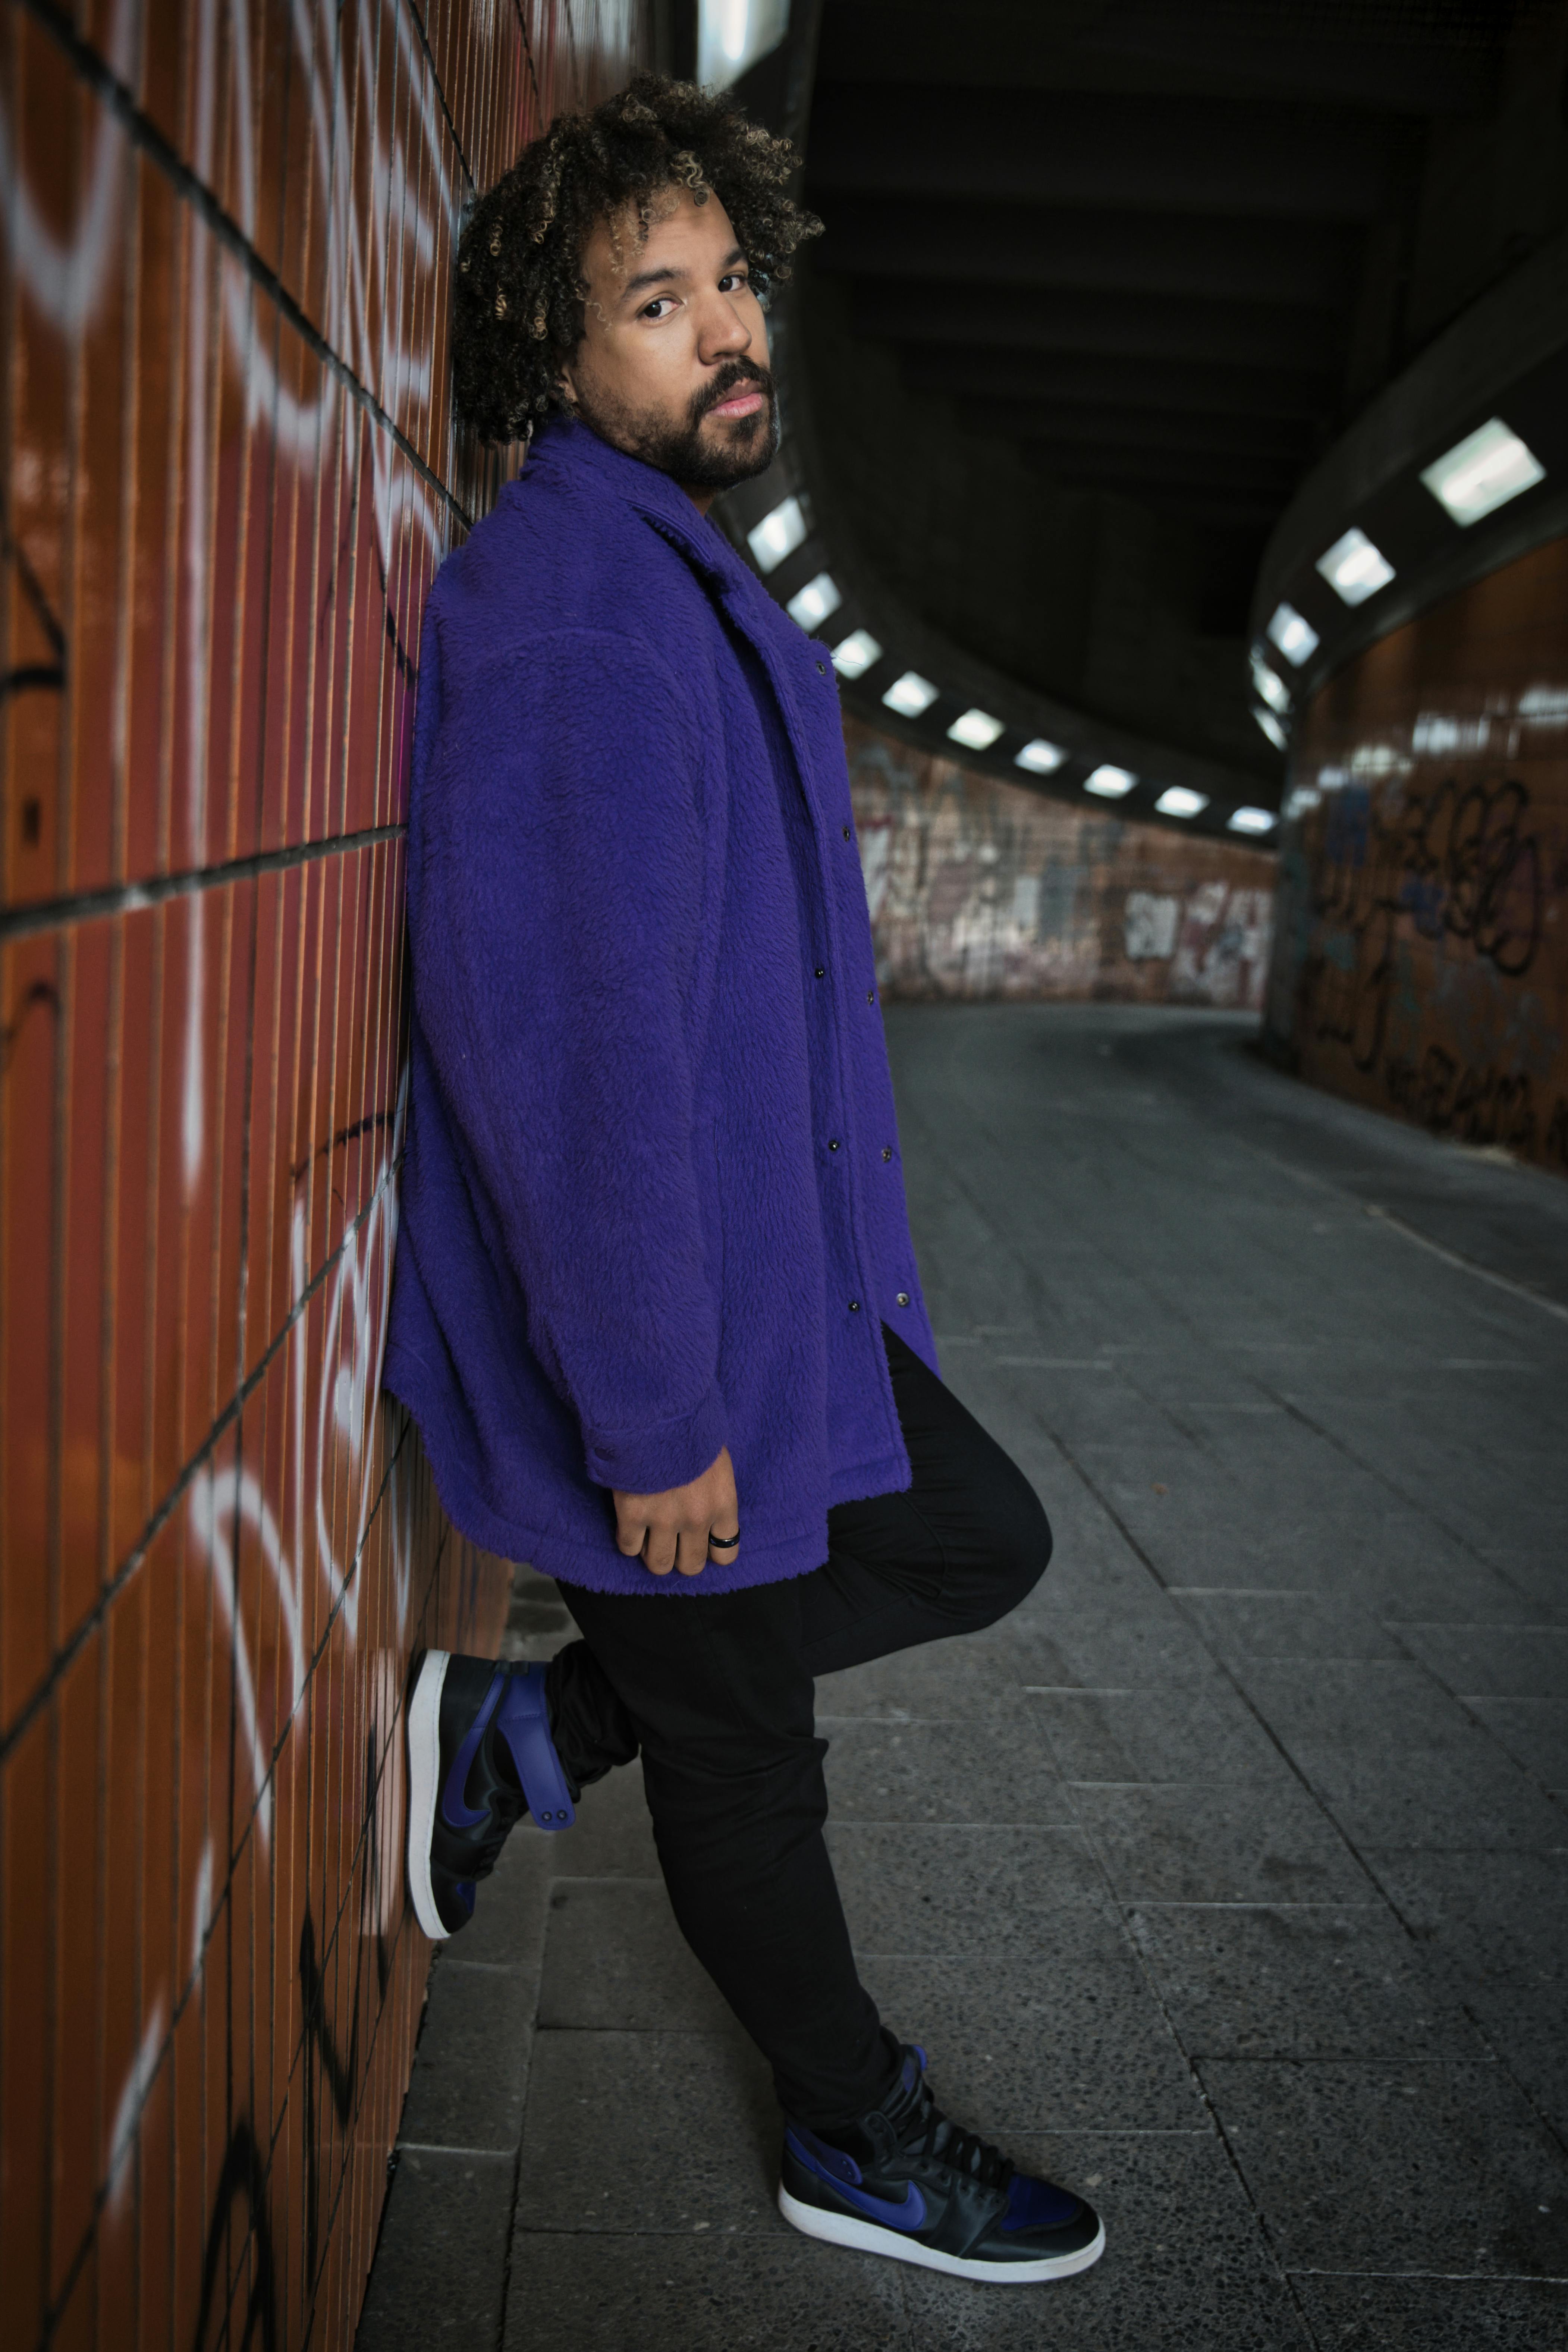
[786, 527]
[1477, 476]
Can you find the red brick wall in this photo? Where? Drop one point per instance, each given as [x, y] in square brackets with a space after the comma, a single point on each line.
[229, 477]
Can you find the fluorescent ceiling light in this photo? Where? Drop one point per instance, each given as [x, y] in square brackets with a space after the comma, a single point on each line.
[732, 35]
[1110, 783]
[1484, 470]
[977, 729]
[1355, 569]
[1271, 728]
[1295, 637]
[1250, 820]
[812, 604]
[1177, 801]
[1271, 686]
[1040, 757]
[856, 655]
[910, 693]
[777, 535]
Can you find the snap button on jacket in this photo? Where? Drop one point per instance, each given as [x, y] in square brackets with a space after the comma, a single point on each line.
[641, 968]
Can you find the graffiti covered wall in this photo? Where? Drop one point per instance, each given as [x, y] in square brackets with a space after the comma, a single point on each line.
[982, 889]
[229, 477]
[1421, 963]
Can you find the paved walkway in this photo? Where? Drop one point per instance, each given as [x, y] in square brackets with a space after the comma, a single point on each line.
[1228, 1878]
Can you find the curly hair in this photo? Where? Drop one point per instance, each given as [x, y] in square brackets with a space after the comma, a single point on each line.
[519, 291]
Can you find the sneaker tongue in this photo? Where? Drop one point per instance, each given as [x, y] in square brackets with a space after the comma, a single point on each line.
[904, 2100]
[907, 2107]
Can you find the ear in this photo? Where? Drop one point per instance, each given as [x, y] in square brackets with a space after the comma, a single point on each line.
[567, 384]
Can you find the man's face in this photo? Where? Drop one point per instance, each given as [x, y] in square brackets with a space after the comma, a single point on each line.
[673, 363]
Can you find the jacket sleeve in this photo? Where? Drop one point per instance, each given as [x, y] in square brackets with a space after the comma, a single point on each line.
[556, 917]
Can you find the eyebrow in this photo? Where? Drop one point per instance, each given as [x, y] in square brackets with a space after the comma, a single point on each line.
[646, 278]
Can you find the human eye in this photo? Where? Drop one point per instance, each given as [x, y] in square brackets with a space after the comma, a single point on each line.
[659, 307]
[734, 281]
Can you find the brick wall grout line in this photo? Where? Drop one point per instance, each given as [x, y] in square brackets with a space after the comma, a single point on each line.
[119, 102]
[16, 1730]
[132, 898]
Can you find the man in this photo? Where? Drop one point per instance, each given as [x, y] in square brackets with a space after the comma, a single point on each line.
[656, 1306]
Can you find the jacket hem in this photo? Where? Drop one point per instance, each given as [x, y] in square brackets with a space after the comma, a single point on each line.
[572, 1562]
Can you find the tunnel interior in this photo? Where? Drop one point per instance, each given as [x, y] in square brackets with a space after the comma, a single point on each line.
[1101, 283]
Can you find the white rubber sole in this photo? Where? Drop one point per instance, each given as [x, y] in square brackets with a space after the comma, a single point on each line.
[844, 2230]
[424, 1787]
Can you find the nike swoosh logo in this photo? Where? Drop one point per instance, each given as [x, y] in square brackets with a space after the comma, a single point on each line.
[908, 2213]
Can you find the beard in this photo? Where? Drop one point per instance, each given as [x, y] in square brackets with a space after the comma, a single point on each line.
[733, 451]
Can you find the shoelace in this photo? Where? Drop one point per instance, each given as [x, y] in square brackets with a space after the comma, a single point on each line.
[965, 2151]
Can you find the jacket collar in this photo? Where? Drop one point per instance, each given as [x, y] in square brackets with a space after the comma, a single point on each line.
[575, 454]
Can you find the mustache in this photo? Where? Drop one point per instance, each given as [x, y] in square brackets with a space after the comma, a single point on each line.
[737, 371]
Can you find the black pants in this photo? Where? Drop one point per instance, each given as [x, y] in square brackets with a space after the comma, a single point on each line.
[717, 1692]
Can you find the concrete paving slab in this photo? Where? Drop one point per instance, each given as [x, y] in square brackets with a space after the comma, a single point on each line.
[1497, 1918]
[1534, 1731]
[1262, 1982]
[1532, 1568]
[648, 2132]
[996, 1771]
[471, 2069]
[1185, 2268]
[1436, 2315]
[952, 1892]
[439, 2273]
[612, 1836]
[1249, 1622]
[1447, 2163]
[1209, 1734]
[508, 1925]
[616, 1962]
[954, 1682]
[705, 2292]
[1076, 2043]
[1108, 1651]
[1526, 2027]
[1377, 1705]
[1202, 1844]
[1493, 1661]
[1457, 1798]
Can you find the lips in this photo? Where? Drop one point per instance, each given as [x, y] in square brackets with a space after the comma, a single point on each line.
[740, 403]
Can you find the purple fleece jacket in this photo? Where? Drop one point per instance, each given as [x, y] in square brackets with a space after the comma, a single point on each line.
[653, 1201]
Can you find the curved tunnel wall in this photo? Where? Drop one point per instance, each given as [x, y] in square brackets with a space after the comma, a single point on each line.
[978, 888]
[230, 476]
[1422, 952]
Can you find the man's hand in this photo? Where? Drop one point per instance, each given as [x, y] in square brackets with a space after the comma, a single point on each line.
[676, 1530]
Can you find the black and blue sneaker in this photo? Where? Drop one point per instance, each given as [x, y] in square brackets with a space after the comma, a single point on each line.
[904, 2181]
[480, 1756]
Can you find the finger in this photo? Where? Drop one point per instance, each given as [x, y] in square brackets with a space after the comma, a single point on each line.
[659, 1552]
[692, 1557]
[724, 1553]
[631, 1532]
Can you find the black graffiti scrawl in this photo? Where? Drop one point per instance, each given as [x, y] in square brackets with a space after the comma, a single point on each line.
[1416, 948]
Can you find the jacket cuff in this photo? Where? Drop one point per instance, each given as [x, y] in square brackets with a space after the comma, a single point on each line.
[652, 1461]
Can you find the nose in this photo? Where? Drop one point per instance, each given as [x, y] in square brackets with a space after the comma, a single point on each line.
[724, 335]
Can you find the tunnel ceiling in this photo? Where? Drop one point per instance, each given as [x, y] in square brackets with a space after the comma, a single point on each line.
[1099, 282]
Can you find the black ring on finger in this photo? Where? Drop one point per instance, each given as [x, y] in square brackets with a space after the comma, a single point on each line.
[725, 1543]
